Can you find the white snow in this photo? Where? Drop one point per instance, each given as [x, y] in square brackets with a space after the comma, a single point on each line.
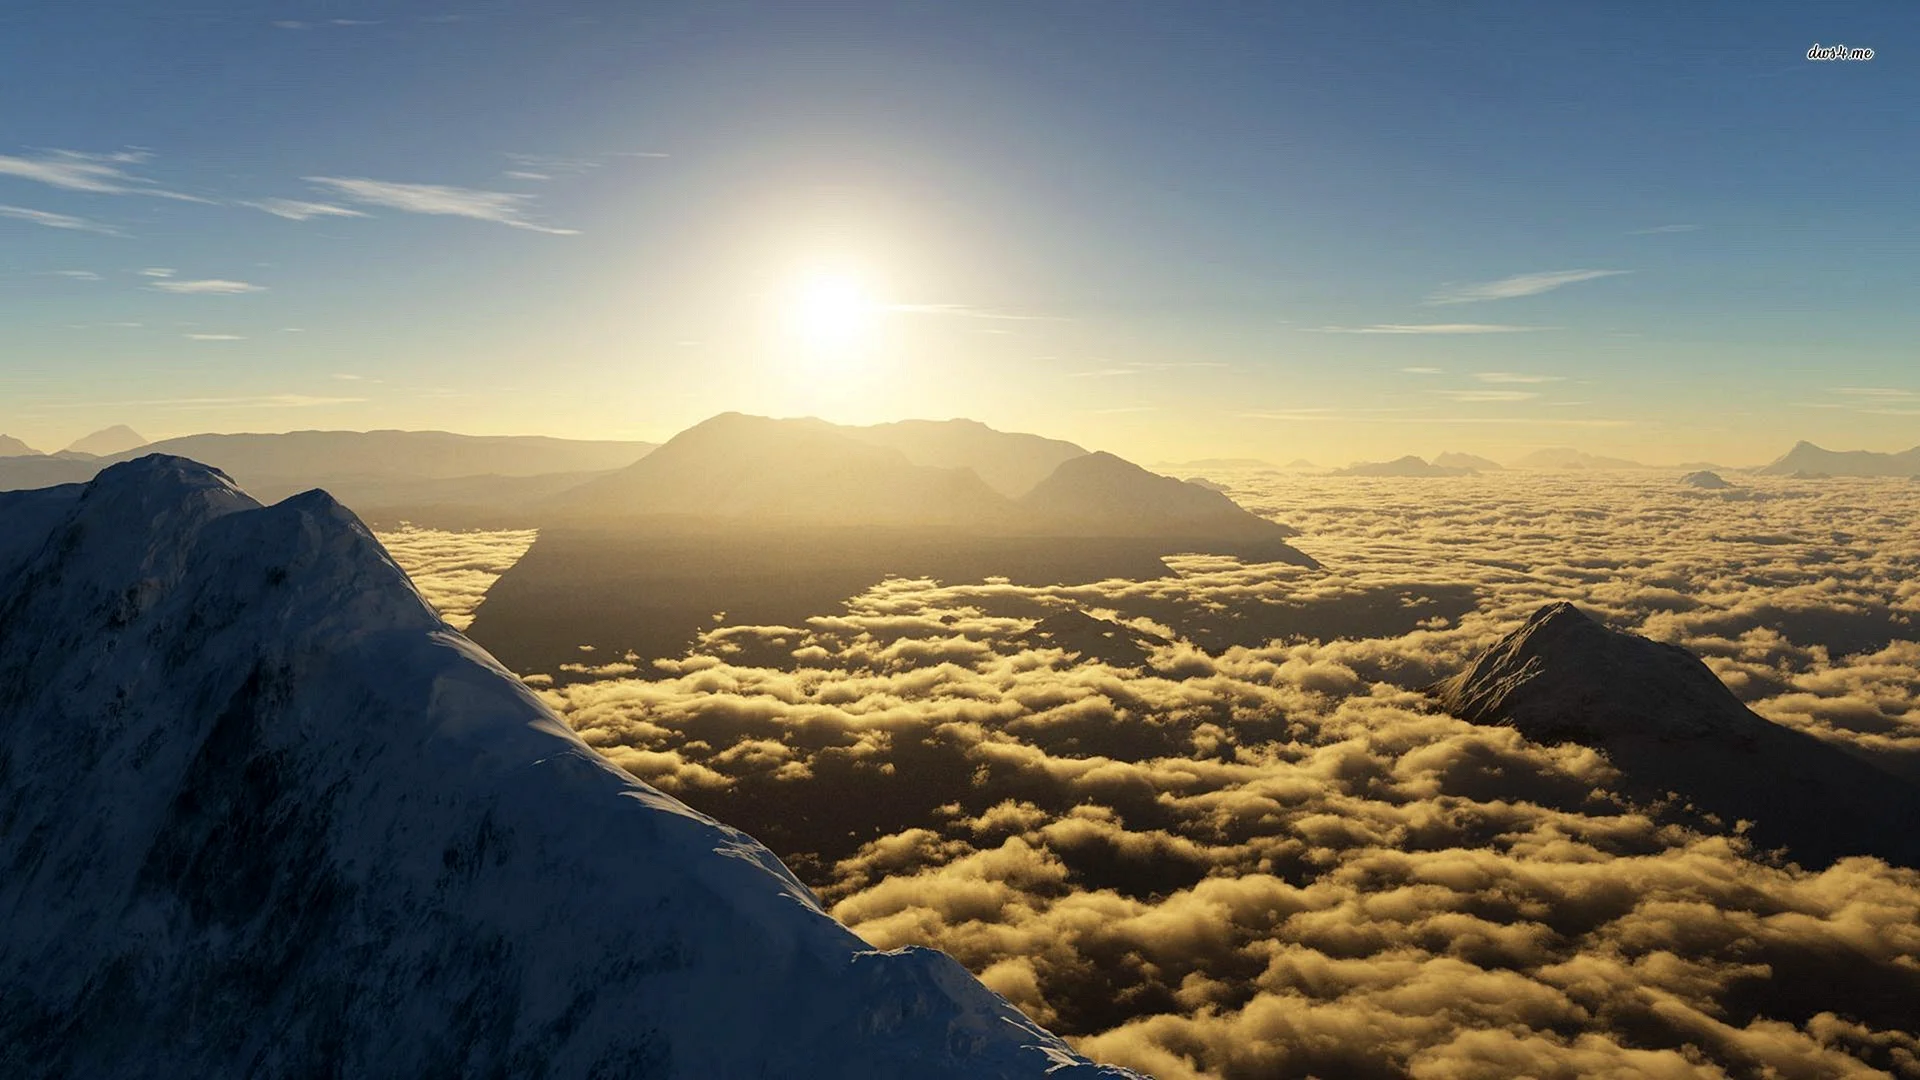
[263, 813]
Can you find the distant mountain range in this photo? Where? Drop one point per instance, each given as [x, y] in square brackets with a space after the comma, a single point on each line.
[1009, 463]
[1813, 460]
[774, 521]
[1474, 462]
[1566, 458]
[1408, 467]
[1669, 725]
[384, 474]
[737, 468]
[265, 814]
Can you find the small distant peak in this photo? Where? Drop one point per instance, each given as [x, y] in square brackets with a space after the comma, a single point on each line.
[107, 442]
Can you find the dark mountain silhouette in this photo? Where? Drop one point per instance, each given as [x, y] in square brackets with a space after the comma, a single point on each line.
[38, 471]
[1409, 466]
[775, 521]
[1566, 458]
[1010, 463]
[1103, 495]
[265, 814]
[12, 447]
[750, 467]
[1808, 459]
[109, 441]
[1470, 462]
[1669, 725]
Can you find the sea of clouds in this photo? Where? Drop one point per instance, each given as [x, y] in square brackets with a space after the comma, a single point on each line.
[1222, 832]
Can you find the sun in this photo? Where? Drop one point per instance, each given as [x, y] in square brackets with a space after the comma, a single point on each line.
[832, 312]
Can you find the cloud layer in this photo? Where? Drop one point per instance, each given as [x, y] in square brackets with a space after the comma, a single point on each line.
[1209, 826]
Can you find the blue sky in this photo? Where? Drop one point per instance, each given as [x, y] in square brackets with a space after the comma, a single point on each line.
[1173, 230]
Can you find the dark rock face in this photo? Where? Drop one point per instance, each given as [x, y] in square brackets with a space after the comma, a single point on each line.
[1671, 727]
[263, 814]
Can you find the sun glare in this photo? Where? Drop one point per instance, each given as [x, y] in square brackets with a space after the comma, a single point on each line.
[832, 312]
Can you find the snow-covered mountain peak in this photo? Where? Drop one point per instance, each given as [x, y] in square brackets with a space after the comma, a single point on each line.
[267, 815]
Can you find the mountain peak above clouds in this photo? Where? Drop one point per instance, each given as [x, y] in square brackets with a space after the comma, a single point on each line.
[1808, 459]
[1706, 480]
[268, 815]
[1010, 463]
[1106, 495]
[799, 470]
[1410, 466]
[1472, 462]
[107, 442]
[1670, 725]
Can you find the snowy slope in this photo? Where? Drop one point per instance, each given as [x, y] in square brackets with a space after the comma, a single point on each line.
[263, 814]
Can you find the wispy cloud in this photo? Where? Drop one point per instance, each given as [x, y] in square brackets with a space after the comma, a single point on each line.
[58, 221]
[1141, 367]
[1665, 229]
[297, 210]
[215, 337]
[965, 311]
[99, 174]
[1424, 370]
[1487, 395]
[207, 286]
[1875, 392]
[1515, 377]
[157, 272]
[1518, 285]
[501, 207]
[300, 24]
[77, 275]
[1429, 328]
[1412, 417]
[264, 401]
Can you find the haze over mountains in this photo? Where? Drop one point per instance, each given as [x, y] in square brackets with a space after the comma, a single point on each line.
[1808, 458]
[298, 826]
[767, 520]
[117, 439]
[1408, 466]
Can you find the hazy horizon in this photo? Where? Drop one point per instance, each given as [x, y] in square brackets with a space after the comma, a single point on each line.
[1258, 233]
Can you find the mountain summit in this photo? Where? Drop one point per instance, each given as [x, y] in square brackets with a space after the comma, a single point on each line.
[1670, 725]
[266, 815]
[1805, 457]
[109, 441]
